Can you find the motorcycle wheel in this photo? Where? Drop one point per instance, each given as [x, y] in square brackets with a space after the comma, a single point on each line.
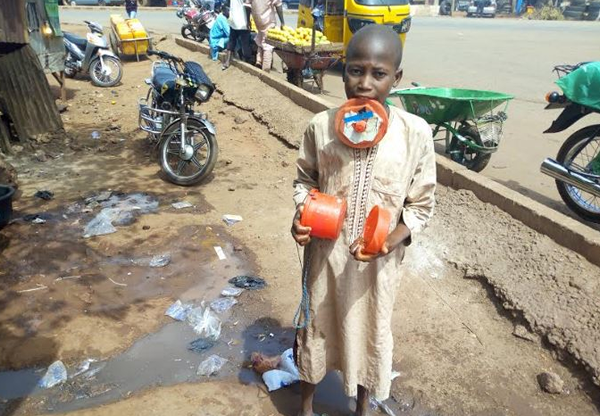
[576, 154]
[106, 80]
[460, 153]
[203, 160]
[187, 32]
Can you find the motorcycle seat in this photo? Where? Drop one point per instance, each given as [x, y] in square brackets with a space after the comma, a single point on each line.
[163, 78]
[80, 42]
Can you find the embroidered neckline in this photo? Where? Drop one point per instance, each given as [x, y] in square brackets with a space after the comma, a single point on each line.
[362, 181]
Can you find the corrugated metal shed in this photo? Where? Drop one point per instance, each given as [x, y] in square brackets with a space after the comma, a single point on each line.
[12, 22]
[25, 94]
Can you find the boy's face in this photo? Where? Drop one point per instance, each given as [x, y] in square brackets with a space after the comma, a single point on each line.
[370, 73]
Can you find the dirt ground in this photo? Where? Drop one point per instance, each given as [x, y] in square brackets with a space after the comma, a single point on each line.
[470, 278]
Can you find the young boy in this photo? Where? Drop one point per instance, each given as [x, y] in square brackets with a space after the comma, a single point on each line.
[352, 293]
[219, 34]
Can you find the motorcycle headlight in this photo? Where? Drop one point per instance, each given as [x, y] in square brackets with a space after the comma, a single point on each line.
[203, 93]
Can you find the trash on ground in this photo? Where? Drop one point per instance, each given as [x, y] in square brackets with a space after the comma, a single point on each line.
[277, 379]
[211, 366]
[83, 367]
[159, 260]
[232, 219]
[95, 135]
[222, 304]
[395, 375]
[39, 221]
[378, 404]
[119, 210]
[248, 282]
[286, 374]
[233, 292]
[92, 373]
[117, 283]
[220, 253]
[262, 363]
[39, 287]
[205, 323]
[101, 197]
[181, 205]
[56, 374]
[179, 311]
[201, 345]
[45, 195]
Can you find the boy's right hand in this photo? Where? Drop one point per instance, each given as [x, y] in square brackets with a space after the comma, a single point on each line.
[300, 233]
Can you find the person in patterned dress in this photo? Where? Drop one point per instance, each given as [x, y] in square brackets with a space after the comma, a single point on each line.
[352, 293]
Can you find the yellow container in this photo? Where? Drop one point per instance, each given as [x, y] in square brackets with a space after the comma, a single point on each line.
[137, 31]
[124, 31]
[115, 19]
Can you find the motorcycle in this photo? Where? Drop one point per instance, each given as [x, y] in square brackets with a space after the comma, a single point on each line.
[199, 19]
[92, 55]
[576, 169]
[186, 139]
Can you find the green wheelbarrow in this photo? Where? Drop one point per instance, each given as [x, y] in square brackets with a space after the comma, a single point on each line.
[468, 119]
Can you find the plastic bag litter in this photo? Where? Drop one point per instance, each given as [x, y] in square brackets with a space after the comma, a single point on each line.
[232, 219]
[45, 195]
[233, 292]
[179, 311]
[201, 345]
[248, 282]
[83, 367]
[181, 205]
[205, 323]
[286, 374]
[382, 406]
[119, 210]
[212, 365]
[159, 260]
[288, 364]
[56, 374]
[222, 304]
[277, 379]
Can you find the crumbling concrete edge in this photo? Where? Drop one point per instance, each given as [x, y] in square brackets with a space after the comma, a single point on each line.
[557, 226]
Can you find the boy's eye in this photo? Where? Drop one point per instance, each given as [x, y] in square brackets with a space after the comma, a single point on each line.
[380, 74]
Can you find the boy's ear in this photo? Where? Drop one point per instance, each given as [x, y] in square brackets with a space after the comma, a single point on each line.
[398, 76]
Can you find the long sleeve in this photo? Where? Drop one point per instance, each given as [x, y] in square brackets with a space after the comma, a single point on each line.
[307, 175]
[420, 200]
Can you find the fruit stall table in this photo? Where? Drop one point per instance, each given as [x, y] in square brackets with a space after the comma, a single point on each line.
[304, 62]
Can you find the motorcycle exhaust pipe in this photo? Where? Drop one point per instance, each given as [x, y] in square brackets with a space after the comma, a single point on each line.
[554, 169]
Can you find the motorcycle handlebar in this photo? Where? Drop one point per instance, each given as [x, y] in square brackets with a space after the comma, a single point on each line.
[164, 55]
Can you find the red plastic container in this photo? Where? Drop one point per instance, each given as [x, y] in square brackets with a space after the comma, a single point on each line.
[324, 214]
[376, 231]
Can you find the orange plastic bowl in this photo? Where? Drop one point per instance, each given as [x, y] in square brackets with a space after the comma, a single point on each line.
[376, 231]
[324, 214]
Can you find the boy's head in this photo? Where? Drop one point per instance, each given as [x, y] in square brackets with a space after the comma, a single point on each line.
[373, 59]
[225, 11]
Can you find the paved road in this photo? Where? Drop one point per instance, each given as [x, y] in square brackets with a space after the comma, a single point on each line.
[508, 55]
[163, 21]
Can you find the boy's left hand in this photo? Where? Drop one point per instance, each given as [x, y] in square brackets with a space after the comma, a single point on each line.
[396, 240]
[356, 249]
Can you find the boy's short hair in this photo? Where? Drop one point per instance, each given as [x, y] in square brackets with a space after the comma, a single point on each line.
[376, 33]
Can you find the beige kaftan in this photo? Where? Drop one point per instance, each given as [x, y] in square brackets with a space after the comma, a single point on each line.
[351, 302]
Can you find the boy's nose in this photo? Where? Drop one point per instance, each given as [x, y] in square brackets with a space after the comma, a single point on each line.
[365, 83]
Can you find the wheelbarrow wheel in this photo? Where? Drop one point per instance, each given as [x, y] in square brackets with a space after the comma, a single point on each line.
[294, 76]
[460, 153]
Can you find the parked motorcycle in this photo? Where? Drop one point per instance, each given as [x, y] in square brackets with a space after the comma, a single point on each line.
[198, 20]
[186, 139]
[92, 55]
[577, 165]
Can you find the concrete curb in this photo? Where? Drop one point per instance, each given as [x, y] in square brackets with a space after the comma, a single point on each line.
[559, 227]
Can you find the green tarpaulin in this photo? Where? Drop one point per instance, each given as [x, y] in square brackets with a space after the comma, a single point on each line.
[582, 86]
[52, 12]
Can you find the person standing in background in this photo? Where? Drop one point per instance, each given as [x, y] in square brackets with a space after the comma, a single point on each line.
[131, 8]
[239, 22]
[263, 13]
